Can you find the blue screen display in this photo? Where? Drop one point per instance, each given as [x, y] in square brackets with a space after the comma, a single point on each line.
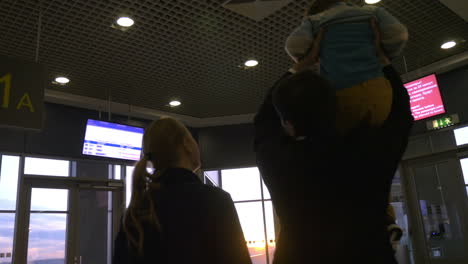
[112, 140]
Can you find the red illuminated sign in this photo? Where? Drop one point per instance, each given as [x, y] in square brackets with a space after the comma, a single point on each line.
[425, 97]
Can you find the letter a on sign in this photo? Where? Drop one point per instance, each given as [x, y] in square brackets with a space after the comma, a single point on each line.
[25, 102]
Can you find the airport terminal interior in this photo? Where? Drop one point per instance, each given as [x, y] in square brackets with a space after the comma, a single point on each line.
[80, 80]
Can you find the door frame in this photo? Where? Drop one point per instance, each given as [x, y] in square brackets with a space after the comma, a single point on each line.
[420, 250]
[74, 185]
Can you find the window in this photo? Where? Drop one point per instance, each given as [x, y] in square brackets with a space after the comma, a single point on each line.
[117, 172]
[255, 211]
[128, 184]
[212, 178]
[9, 171]
[47, 237]
[464, 165]
[49, 199]
[242, 184]
[47, 167]
[8, 182]
[48, 225]
[7, 229]
[461, 136]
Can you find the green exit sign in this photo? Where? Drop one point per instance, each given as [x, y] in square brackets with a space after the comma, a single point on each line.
[443, 122]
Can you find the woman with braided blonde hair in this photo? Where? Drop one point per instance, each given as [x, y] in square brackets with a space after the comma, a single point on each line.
[172, 216]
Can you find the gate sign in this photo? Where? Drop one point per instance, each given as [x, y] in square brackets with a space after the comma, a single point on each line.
[21, 93]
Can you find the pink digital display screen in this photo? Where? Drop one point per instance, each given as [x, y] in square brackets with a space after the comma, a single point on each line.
[425, 97]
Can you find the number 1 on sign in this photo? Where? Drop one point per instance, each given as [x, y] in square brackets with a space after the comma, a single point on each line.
[6, 80]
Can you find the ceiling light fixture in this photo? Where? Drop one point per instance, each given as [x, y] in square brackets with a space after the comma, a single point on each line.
[448, 44]
[62, 80]
[125, 21]
[371, 2]
[175, 103]
[251, 63]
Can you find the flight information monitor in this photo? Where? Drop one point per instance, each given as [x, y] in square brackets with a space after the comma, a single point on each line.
[111, 140]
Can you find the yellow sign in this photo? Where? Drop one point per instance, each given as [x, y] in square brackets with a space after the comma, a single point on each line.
[21, 93]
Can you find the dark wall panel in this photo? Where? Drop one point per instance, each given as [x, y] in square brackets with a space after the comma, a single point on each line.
[227, 146]
[62, 135]
[63, 132]
[11, 140]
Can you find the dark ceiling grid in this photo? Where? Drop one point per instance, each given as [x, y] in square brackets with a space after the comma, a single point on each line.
[15, 31]
[430, 24]
[188, 50]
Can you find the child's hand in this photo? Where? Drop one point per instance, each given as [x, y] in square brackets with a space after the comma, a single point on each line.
[313, 57]
[378, 43]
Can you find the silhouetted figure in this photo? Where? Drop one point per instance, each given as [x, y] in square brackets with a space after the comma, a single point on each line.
[330, 203]
[173, 217]
[330, 189]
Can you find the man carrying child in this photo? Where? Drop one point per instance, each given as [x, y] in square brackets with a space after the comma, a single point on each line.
[320, 164]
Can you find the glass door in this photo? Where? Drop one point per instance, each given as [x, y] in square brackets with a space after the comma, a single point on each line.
[97, 222]
[43, 222]
[48, 217]
[436, 191]
[66, 220]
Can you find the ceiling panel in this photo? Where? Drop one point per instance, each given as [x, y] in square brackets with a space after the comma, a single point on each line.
[187, 50]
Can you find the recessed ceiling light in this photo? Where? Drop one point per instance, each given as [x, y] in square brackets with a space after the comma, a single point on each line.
[175, 103]
[371, 2]
[125, 22]
[251, 63]
[62, 80]
[448, 44]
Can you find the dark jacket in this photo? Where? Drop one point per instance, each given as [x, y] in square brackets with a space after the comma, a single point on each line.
[331, 198]
[199, 225]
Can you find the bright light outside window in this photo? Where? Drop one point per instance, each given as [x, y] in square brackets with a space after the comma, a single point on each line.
[266, 193]
[47, 167]
[7, 229]
[47, 237]
[464, 165]
[251, 219]
[128, 184]
[270, 222]
[9, 171]
[117, 172]
[49, 199]
[9, 182]
[48, 225]
[213, 176]
[242, 184]
[244, 187]
[461, 136]
[250, 216]
[270, 227]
